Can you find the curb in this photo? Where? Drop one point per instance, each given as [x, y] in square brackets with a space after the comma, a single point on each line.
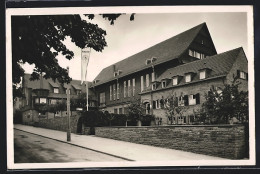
[77, 145]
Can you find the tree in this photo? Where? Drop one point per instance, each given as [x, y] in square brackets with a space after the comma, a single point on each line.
[37, 39]
[136, 109]
[172, 108]
[223, 104]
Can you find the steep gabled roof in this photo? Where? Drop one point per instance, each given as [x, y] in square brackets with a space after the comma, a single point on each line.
[219, 65]
[169, 49]
[35, 84]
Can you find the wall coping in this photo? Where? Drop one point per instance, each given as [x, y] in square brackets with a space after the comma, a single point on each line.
[215, 125]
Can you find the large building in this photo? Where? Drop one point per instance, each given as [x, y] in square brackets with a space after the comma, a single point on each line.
[185, 66]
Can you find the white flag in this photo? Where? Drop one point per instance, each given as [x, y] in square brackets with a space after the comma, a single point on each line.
[85, 53]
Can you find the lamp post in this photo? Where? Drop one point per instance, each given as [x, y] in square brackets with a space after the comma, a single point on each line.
[68, 111]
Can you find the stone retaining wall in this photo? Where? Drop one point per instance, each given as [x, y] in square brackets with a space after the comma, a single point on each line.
[227, 141]
[59, 123]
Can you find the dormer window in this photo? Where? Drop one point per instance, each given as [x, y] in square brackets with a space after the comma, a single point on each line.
[203, 74]
[95, 81]
[148, 61]
[163, 84]
[117, 73]
[175, 81]
[154, 86]
[153, 59]
[188, 78]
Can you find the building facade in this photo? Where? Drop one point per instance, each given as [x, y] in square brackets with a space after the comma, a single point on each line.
[185, 66]
[46, 92]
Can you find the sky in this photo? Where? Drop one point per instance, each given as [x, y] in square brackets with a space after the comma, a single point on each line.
[125, 38]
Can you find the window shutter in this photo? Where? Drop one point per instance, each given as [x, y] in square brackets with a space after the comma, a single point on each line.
[154, 104]
[198, 98]
[186, 101]
[238, 73]
[246, 76]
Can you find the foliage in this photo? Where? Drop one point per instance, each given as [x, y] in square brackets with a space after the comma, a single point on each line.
[136, 109]
[222, 105]
[99, 119]
[18, 117]
[172, 108]
[79, 102]
[38, 39]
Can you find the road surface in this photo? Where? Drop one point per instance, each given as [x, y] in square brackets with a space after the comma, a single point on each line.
[30, 148]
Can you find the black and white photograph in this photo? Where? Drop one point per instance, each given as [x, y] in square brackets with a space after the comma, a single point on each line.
[130, 86]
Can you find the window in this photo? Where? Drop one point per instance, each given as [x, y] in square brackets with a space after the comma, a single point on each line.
[147, 80]
[188, 78]
[192, 100]
[78, 92]
[36, 100]
[157, 104]
[129, 88]
[53, 101]
[175, 81]
[142, 83]
[202, 42]
[242, 75]
[163, 84]
[118, 90]
[110, 93]
[133, 87]
[124, 89]
[102, 98]
[147, 108]
[154, 86]
[115, 111]
[120, 111]
[203, 74]
[56, 90]
[180, 101]
[43, 100]
[114, 89]
[153, 76]
[66, 91]
[196, 54]
[148, 61]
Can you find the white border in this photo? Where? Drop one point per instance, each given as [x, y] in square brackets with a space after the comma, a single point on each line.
[147, 9]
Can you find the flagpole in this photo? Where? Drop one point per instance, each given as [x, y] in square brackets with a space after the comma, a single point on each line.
[68, 111]
[87, 93]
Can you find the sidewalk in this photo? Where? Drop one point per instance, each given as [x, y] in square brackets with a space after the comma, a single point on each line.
[125, 150]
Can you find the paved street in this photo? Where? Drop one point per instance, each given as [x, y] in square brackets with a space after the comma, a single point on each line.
[29, 148]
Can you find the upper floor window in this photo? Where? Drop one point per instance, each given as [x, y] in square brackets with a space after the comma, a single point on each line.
[56, 90]
[118, 90]
[129, 88]
[154, 86]
[164, 84]
[203, 74]
[148, 61]
[43, 100]
[153, 77]
[102, 98]
[67, 90]
[147, 80]
[78, 92]
[153, 59]
[188, 78]
[124, 89]
[110, 92]
[114, 93]
[133, 87]
[175, 81]
[196, 54]
[142, 83]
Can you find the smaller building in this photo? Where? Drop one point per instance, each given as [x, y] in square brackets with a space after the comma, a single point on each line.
[40, 94]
